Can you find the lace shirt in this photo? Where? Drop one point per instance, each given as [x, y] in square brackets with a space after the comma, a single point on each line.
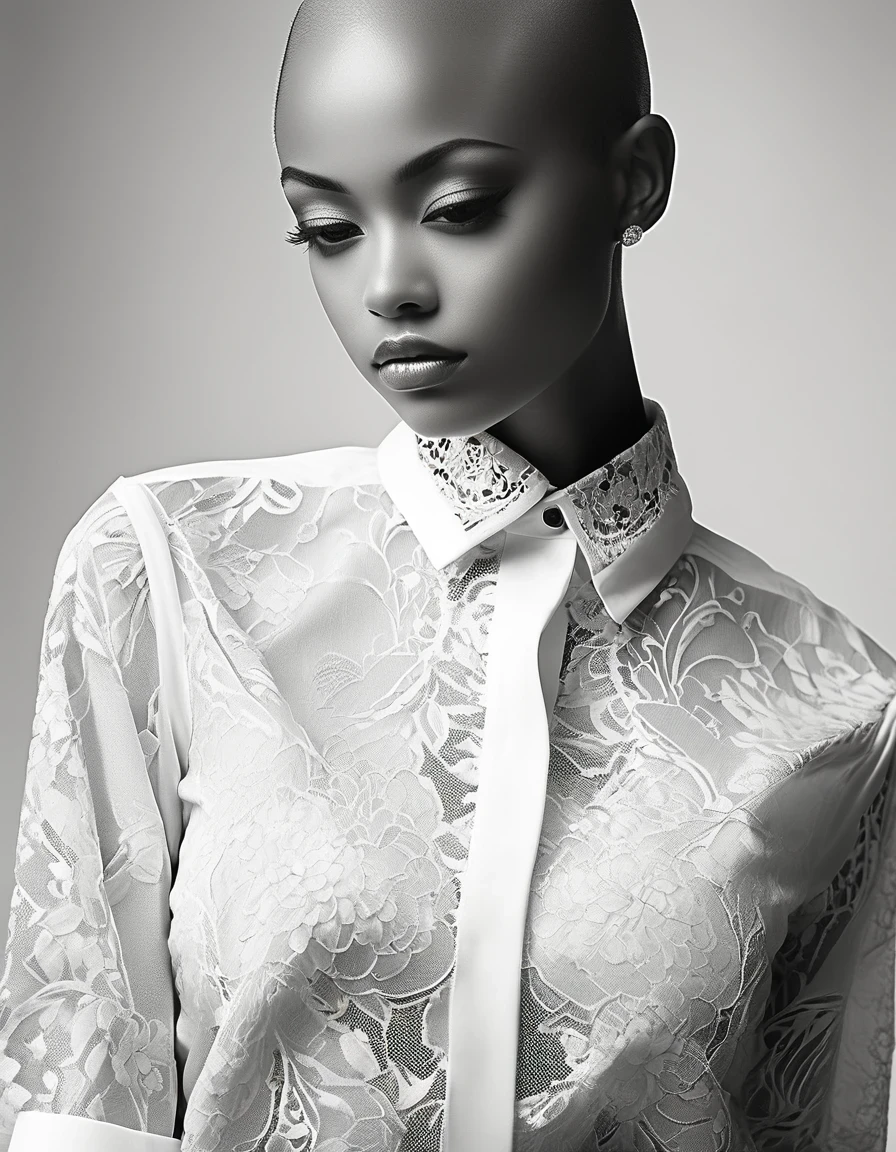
[391, 800]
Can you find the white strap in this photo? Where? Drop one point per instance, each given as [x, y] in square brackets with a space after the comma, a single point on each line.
[484, 1011]
[148, 517]
[53, 1132]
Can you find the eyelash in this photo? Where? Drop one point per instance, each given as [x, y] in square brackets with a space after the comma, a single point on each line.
[308, 236]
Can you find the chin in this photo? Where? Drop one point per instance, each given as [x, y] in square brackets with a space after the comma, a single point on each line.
[460, 406]
[455, 416]
[435, 413]
[436, 420]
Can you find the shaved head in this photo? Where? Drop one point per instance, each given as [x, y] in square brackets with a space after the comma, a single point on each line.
[580, 63]
[464, 170]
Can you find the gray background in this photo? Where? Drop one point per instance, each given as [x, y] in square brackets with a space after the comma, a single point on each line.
[153, 315]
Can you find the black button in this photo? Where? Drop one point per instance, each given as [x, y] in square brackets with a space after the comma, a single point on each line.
[553, 517]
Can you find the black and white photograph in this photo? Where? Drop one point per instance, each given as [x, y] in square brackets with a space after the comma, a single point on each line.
[450, 694]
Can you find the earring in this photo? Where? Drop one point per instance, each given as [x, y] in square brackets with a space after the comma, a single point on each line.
[632, 235]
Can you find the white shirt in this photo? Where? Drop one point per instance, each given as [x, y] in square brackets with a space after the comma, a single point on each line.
[355, 787]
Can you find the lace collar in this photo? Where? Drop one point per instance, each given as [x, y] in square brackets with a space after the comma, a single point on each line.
[480, 476]
[457, 491]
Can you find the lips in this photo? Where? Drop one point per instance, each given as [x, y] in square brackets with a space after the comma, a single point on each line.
[417, 374]
[412, 347]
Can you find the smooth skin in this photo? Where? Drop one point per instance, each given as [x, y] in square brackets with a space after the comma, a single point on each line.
[509, 251]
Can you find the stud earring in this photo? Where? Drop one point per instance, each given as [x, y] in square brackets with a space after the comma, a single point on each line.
[632, 235]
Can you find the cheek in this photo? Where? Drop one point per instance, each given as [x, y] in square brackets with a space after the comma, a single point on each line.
[334, 295]
[568, 257]
[541, 290]
[340, 294]
[559, 275]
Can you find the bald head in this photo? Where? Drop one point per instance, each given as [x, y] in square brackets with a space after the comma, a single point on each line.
[579, 64]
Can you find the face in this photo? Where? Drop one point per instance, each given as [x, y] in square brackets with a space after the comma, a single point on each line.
[443, 204]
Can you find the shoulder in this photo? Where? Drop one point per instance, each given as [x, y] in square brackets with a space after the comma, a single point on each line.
[789, 656]
[210, 511]
[209, 488]
[212, 489]
[100, 540]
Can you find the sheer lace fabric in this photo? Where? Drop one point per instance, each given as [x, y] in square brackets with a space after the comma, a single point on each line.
[480, 476]
[708, 954]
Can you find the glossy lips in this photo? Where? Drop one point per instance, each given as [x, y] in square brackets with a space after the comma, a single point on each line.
[407, 363]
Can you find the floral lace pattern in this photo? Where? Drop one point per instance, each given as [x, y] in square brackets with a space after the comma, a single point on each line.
[716, 828]
[621, 500]
[478, 475]
[615, 503]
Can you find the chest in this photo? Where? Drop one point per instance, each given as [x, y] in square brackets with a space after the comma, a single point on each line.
[332, 794]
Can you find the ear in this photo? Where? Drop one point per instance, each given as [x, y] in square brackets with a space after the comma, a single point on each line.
[643, 159]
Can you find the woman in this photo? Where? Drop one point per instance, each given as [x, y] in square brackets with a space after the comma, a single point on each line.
[462, 793]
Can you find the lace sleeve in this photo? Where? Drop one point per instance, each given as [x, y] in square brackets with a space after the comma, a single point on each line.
[87, 998]
[827, 1037]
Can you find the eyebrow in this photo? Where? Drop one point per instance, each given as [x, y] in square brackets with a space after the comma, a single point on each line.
[414, 167]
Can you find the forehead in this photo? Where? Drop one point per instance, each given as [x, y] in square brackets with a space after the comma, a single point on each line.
[387, 76]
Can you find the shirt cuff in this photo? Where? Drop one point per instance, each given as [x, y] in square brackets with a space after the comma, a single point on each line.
[52, 1131]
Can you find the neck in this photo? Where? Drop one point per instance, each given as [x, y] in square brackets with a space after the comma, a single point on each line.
[591, 413]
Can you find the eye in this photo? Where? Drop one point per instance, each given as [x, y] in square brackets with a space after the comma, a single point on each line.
[461, 211]
[322, 235]
[465, 211]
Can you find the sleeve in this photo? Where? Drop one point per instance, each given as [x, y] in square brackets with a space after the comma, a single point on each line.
[87, 1000]
[827, 1037]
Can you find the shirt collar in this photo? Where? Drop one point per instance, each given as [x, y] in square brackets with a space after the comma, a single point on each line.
[632, 516]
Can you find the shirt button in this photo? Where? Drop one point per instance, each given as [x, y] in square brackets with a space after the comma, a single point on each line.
[553, 517]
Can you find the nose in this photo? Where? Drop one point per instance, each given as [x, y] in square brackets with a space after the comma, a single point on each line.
[398, 281]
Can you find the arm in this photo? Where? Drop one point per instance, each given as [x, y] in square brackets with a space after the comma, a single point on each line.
[827, 1037]
[87, 999]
